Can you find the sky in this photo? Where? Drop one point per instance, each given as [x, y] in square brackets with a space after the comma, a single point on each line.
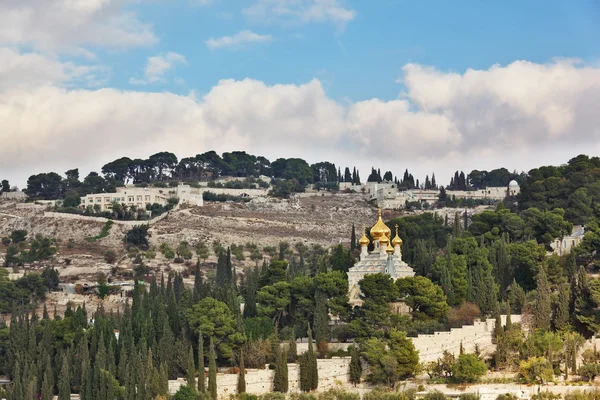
[432, 86]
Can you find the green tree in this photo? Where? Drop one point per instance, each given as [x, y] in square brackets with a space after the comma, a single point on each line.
[273, 301]
[390, 361]
[536, 369]
[185, 392]
[542, 315]
[212, 370]
[241, 384]
[64, 385]
[201, 379]
[425, 299]
[216, 320]
[137, 236]
[202, 251]
[468, 368]
[355, 366]
[280, 379]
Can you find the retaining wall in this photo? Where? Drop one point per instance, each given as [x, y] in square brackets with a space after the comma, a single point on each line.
[77, 217]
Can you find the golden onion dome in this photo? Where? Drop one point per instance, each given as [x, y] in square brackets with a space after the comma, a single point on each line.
[364, 240]
[380, 229]
[397, 241]
[390, 249]
[383, 240]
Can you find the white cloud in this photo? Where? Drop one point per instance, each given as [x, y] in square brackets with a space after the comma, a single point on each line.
[300, 12]
[238, 40]
[71, 25]
[518, 116]
[157, 67]
[32, 70]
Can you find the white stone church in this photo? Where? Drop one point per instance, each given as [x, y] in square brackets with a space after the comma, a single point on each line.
[386, 257]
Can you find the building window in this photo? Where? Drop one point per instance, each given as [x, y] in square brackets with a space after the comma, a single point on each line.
[107, 199]
[139, 198]
[130, 199]
[147, 198]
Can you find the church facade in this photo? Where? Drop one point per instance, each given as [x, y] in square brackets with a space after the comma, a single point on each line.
[386, 258]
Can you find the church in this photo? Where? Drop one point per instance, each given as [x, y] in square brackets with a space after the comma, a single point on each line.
[386, 258]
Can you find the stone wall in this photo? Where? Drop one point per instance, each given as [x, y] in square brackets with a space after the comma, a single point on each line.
[49, 214]
[259, 381]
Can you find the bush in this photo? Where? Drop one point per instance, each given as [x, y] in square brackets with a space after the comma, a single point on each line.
[507, 396]
[272, 396]
[302, 396]
[18, 236]
[546, 396]
[468, 368]
[5, 241]
[435, 395]
[110, 256]
[469, 396]
[377, 394]
[338, 394]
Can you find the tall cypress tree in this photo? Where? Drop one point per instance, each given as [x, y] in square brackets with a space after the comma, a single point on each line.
[241, 384]
[542, 315]
[293, 350]
[191, 368]
[355, 366]
[17, 392]
[353, 239]
[212, 371]
[280, 379]
[560, 317]
[48, 382]
[64, 386]
[321, 318]
[201, 382]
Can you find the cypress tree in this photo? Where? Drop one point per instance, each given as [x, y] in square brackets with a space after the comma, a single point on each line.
[542, 315]
[164, 379]
[212, 371]
[353, 238]
[241, 384]
[48, 382]
[355, 366]
[508, 326]
[221, 270]
[17, 392]
[293, 348]
[321, 317]
[201, 382]
[280, 379]
[191, 368]
[560, 317]
[64, 386]
[312, 373]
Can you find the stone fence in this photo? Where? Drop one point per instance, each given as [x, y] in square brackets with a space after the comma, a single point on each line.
[258, 381]
[49, 214]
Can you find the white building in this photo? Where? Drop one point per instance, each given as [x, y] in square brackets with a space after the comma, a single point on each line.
[389, 198]
[140, 197]
[386, 258]
[564, 244]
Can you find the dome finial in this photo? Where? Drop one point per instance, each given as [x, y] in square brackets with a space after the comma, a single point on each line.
[364, 240]
[397, 241]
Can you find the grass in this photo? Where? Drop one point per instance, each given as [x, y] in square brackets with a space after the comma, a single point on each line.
[104, 233]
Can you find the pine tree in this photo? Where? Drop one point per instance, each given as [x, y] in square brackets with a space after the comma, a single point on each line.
[542, 315]
[64, 385]
[201, 381]
[353, 238]
[241, 384]
[212, 371]
[355, 366]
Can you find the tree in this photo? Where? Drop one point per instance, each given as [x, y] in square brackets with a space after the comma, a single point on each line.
[137, 236]
[201, 379]
[212, 371]
[355, 366]
[185, 392]
[202, 251]
[536, 369]
[18, 236]
[64, 385]
[309, 374]
[280, 379]
[542, 315]
[425, 299]
[241, 384]
[353, 239]
[390, 361]
[468, 368]
[216, 320]
[273, 301]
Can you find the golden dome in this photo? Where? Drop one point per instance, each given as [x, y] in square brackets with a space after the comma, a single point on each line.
[380, 229]
[384, 239]
[364, 240]
[397, 241]
[390, 249]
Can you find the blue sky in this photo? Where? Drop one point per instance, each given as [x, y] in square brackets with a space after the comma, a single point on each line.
[364, 58]
[432, 86]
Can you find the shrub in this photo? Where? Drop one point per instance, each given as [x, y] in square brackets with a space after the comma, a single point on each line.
[338, 394]
[272, 396]
[469, 396]
[507, 396]
[435, 395]
[546, 396]
[378, 394]
[5, 241]
[468, 368]
[110, 256]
